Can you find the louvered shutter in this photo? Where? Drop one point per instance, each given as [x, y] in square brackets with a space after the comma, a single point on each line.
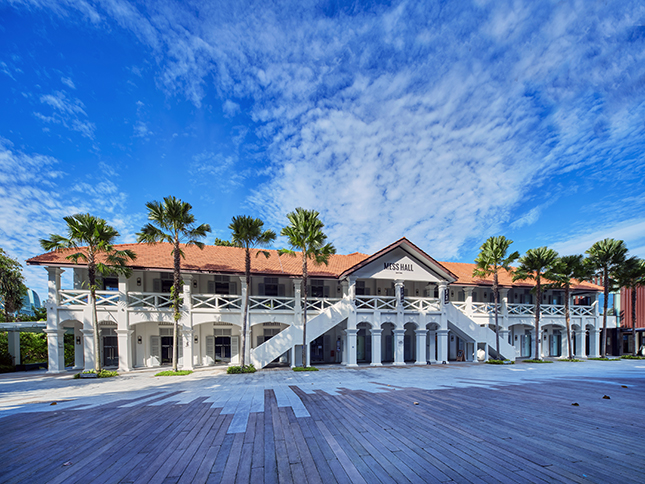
[156, 285]
[261, 289]
[210, 347]
[234, 349]
[260, 340]
[326, 291]
[280, 290]
[155, 350]
[367, 291]
[232, 287]
[211, 287]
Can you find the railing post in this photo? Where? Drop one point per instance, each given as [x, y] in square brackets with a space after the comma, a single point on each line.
[468, 291]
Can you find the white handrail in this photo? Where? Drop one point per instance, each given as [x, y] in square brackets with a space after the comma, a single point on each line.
[270, 303]
[421, 304]
[149, 300]
[376, 302]
[320, 303]
[217, 301]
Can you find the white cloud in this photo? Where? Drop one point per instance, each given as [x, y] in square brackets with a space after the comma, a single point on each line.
[69, 113]
[68, 82]
[141, 130]
[632, 232]
[230, 108]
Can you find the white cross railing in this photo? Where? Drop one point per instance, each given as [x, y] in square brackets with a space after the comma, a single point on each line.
[582, 310]
[107, 298]
[320, 303]
[486, 308]
[521, 309]
[552, 310]
[267, 303]
[149, 300]
[376, 302]
[81, 297]
[217, 301]
[421, 304]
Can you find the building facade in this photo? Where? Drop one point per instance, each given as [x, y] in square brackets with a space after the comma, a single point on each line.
[398, 306]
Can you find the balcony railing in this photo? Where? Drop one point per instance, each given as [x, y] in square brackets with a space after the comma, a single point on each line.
[219, 302]
[68, 297]
[376, 302]
[149, 300]
[320, 303]
[421, 304]
[269, 303]
[486, 308]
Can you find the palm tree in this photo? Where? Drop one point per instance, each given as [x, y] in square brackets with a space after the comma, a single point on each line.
[533, 266]
[12, 285]
[305, 234]
[172, 222]
[247, 233]
[93, 240]
[566, 271]
[492, 257]
[631, 275]
[606, 257]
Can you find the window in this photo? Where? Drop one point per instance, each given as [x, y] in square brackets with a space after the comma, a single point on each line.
[361, 290]
[110, 284]
[318, 289]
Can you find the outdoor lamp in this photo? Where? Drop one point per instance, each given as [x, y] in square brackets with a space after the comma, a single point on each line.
[194, 282]
[196, 339]
[138, 281]
[78, 340]
[139, 339]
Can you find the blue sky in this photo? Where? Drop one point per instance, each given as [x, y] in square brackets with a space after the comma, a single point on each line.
[446, 122]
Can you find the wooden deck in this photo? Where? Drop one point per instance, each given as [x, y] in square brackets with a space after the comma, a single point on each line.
[512, 434]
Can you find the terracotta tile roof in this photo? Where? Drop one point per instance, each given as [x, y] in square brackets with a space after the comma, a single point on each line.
[230, 260]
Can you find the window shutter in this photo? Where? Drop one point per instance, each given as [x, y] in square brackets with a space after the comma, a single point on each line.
[156, 285]
[232, 287]
[261, 289]
[155, 350]
[260, 340]
[280, 290]
[210, 346]
[367, 291]
[326, 291]
[211, 287]
[234, 347]
[309, 291]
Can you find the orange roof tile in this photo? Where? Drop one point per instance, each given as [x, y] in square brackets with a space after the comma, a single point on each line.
[230, 260]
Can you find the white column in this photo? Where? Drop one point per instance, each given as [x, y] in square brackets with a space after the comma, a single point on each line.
[14, 346]
[351, 346]
[186, 339]
[594, 343]
[399, 291]
[125, 349]
[581, 344]
[432, 351]
[53, 283]
[78, 347]
[343, 352]
[442, 345]
[56, 350]
[292, 353]
[502, 316]
[345, 286]
[88, 348]
[421, 346]
[376, 346]
[399, 335]
[468, 292]
[443, 292]
[247, 333]
[351, 288]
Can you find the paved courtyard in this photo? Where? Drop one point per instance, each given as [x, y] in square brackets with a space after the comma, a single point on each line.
[440, 423]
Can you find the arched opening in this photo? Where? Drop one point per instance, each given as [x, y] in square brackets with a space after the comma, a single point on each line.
[363, 343]
[431, 342]
[409, 343]
[387, 343]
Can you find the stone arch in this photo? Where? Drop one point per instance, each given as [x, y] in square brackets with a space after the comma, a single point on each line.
[387, 341]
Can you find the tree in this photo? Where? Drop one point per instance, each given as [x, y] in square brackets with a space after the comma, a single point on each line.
[606, 256]
[247, 233]
[492, 257]
[171, 221]
[564, 272]
[533, 266]
[92, 241]
[305, 234]
[631, 275]
[12, 285]
[223, 243]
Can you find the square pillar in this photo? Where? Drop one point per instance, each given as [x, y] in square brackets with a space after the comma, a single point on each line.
[442, 346]
[468, 293]
[187, 342]
[53, 284]
[421, 346]
[125, 349]
[14, 346]
[78, 347]
[56, 350]
[431, 355]
[351, 346]
[376, 347]
[594, 343]
[399, 335]
[88, 349]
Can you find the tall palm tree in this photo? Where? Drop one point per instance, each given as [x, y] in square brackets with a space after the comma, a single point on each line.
[631, 275]
[305, 234]
[606, 257]
[246, 232]
[93, 240]
[564, 272]
[171, 221]
[533, 266]
[492, 257]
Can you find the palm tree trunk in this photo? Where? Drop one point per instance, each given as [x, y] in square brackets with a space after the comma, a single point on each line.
[496, 297]
[91, 273]
[567, 317]
[175, 305]
[603, 351]
[247, 274]
[304, 311]
[634, 319]
[538, 300]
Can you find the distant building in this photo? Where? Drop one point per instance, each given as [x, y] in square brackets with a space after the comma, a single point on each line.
[625, 312]
[29, 302]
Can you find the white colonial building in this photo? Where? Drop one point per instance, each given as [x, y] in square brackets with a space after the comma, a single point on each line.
[398, 306]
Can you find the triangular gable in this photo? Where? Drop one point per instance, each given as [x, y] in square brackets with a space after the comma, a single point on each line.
[401, 260]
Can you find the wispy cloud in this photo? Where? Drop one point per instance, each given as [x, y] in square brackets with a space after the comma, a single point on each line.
[67, 112]
[68, 82]
[632, 232]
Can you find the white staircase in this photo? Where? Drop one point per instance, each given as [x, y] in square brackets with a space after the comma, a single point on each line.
[479, 334]
[291, 336]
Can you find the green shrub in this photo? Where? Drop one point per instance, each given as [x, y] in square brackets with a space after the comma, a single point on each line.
[572, 360]
[101, 373]
[537, 361]
[308, 368]
[499, 362]
[632, 357]
[174, 373]
[240, 369]
[604, 358]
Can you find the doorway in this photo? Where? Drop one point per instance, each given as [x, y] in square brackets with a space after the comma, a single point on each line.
[166, 349]
[316, 349]
[110, 351]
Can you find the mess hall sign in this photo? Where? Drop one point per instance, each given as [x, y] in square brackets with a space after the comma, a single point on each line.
[398, 267]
